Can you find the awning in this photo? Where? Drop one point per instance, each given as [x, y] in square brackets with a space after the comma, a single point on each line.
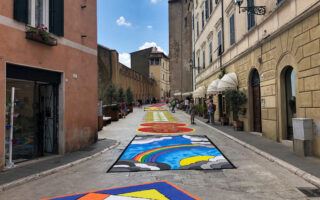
[213, 87]
[177, 94]
[200, 92]
[228, 82]
[187, 94]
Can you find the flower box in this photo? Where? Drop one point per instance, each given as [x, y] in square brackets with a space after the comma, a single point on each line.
[40, 35]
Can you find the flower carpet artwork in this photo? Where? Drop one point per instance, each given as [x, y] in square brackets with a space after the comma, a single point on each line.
[181, 152]
[156, 107]
[159, 116]
[161, 190]
[164, 128]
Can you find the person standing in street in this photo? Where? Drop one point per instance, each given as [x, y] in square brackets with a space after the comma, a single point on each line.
[210, 111]
[192, 111]
[173, 105]
[186, 105]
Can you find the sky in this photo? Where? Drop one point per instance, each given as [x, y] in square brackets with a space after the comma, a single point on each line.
[132, 25]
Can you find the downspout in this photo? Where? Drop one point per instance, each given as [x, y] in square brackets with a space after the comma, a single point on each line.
[222, 33]
[181, 60]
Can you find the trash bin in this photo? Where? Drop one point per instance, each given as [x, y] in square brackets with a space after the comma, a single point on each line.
[302, 136]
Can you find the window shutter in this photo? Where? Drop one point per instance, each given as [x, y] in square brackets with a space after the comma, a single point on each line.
[232, 31]
[56, 18]
[20, 11]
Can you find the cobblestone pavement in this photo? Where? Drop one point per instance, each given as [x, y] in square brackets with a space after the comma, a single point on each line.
[254, 178]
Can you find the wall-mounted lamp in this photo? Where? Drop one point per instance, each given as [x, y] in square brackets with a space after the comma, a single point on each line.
[257, 10]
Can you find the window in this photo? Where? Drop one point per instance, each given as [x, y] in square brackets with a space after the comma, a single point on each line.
[204, 59]
[210, 52]
[279, 1]
[154, 61]
[232, 30]
[219, 43]
[198, 63]
[206, 8]
[197, 28]
[38, 12]
[185, 22]
[202, 19]
[251, 19]
[210, 6]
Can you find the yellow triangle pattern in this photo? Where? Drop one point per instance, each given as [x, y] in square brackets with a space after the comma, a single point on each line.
[149, 194]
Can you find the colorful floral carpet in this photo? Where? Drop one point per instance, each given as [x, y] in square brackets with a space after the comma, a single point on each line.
[156, 107]
[183, 152]
[151, 191]
[164, 128]
[159, 116]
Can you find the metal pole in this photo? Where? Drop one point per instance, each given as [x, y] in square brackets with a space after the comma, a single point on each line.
[11, 164]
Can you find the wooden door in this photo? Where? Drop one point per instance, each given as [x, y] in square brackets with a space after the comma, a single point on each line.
[257, 127]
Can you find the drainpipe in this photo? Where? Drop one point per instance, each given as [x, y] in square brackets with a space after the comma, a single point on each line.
[222, 32]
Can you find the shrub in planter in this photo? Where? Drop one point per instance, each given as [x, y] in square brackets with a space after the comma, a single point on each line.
[111, 111]
[129, 98]
[235, 99]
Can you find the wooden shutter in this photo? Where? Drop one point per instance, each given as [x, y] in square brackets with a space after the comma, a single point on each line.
[56, 18]
[251, 19]
[21, 10]
[232, 31]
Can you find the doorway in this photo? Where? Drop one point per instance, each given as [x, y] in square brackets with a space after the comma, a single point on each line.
[289, 95]
[256, 101]
[36, 124]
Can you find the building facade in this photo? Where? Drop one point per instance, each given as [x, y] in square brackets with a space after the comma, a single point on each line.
[52, 64]
[111, 71]
[160, 71]
[180, 46]
[275, 57]
[140, 61]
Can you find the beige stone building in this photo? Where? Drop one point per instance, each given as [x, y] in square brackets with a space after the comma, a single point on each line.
[160, 72]
[276, 58]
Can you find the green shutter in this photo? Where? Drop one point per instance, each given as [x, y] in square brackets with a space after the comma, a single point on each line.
[56, 18]
[20, 11]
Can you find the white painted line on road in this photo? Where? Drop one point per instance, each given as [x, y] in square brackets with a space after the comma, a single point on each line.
[52, 171]
[293, 169]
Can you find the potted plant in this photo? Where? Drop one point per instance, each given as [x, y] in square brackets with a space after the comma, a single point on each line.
[235, 99]
[40, 34]
[111, 109]
[129, 98]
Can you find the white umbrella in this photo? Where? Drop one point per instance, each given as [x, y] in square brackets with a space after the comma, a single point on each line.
[213, 87]
[228, 81]
[199, 92]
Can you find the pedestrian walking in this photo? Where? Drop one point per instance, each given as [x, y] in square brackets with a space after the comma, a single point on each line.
[192, 111]
[210, 110]
[186, 105]
[173, 105]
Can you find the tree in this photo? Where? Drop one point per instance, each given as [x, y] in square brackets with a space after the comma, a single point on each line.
[111, 93]
[121, 95]
[235, 99]
[129, 96]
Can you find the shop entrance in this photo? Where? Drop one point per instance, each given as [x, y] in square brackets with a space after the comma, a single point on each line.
[36, 124]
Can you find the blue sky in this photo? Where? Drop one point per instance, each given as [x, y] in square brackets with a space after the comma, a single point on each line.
[131, 25]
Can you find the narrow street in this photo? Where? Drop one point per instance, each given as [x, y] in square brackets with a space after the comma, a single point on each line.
[253, 178]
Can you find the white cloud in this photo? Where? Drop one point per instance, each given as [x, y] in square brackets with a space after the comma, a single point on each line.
[155, 1]
[123, 22]
[149, 27]
[125, 59]
[151, 44]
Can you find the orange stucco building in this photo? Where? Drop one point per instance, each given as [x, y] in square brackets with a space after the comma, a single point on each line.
[53, 75]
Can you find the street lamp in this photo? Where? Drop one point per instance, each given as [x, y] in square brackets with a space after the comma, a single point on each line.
[257, 10]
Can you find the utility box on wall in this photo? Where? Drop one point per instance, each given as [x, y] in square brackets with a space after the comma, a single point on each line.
[302, 136]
